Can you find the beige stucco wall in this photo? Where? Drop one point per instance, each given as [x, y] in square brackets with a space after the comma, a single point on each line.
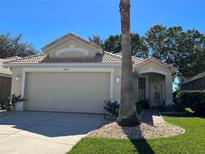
[117, 85]
[153, 66]
[16, 85]
[76, 44]
[17, 72]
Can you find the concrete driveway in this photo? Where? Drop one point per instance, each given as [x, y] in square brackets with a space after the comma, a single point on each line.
[43, 132]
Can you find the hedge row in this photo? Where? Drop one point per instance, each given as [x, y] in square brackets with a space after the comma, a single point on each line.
[195, 99]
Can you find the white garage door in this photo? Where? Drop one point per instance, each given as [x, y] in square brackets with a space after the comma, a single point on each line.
[67, 92]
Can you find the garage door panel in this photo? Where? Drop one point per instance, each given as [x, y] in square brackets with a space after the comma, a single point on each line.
[69, 92]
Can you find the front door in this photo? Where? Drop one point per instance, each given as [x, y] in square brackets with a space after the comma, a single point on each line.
[156, 94]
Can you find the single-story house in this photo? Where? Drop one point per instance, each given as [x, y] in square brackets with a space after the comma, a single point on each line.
[73, 74]
[194, 83]
[5, 82]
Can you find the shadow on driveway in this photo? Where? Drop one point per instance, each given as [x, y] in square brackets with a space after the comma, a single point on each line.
[49, 124]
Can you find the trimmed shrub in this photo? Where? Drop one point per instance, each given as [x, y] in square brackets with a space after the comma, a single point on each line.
[10, 103]
[168, 108]
[195, 99]
[179, 107]
[175, 97]
[139, 107]
[172, 108]
[183, 98]
[144, 103]
[112, 107]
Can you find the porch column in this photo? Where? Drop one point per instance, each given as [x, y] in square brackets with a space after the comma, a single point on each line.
[168, 89]
[18, 77]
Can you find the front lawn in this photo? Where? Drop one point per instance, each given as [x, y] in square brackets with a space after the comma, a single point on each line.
[191, 142]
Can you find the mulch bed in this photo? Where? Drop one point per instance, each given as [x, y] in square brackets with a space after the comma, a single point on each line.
[144, 130]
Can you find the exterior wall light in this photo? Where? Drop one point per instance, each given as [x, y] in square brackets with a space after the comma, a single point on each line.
[118, 79]
[18, 78]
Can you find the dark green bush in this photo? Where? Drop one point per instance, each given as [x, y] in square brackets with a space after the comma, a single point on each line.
[144, 103]
[183, 98]
[9, 104]
[175, 97]
[112, 107]
[179, 107]
[172, 108]
[139, 107]
[195, 99]
[168, 108]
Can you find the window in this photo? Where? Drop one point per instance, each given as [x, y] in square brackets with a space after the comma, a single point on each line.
[141, 83]
[141, 88]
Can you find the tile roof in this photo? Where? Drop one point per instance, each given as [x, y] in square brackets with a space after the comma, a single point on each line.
[137, 60]
[44, 58]
[105, 58]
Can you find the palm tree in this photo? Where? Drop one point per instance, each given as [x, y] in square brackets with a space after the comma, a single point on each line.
[127, 114]
[96, 39]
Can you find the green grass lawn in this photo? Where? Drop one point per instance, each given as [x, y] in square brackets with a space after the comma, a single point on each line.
[191, 142]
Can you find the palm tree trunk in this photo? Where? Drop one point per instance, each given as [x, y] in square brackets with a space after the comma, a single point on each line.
[127, 114]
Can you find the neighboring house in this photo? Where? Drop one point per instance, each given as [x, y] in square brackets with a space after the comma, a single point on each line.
[74, 75]
[195, 83]
[5, 82]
